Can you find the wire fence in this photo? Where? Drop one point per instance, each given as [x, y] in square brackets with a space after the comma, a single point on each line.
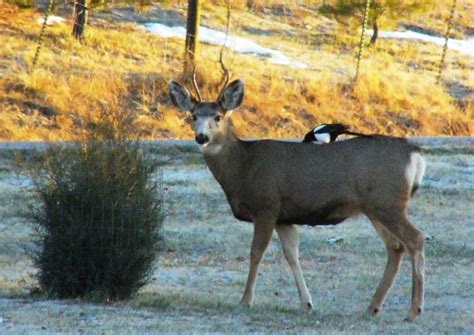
[362, 37]
[80, 12]
[42, 33]
[446, 38]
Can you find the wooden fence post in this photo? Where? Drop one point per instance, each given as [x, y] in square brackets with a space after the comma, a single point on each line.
[192, 33]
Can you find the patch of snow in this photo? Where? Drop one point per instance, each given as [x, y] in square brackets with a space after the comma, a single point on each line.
[238, 44]
[52, 19]
[464, 46]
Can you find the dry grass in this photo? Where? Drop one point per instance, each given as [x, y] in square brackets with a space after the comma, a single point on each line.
[122, 68]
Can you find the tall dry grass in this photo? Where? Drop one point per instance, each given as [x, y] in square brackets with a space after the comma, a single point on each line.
[120, 67]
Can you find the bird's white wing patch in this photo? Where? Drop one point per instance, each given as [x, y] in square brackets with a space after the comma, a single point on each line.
[323, 138]
[318, 128]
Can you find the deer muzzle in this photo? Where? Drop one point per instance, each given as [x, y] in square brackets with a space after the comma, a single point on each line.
[202, 139]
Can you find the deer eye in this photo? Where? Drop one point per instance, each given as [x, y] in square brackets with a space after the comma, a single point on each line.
[194, 118]
[217, 118]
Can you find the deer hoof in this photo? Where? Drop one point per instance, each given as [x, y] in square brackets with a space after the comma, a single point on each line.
[373, 311]
[413, 314]
[245, 303]
[307, 306]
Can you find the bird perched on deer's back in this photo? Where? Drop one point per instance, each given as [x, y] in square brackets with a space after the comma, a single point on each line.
[327, 133]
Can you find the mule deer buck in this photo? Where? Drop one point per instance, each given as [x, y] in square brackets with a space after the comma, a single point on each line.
[278, 185]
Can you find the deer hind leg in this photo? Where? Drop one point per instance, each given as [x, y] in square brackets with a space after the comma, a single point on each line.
[398, 225]
[289, 240]
[395, 251]
[263, 229]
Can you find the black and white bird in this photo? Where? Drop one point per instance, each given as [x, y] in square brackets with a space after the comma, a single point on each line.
[327, 133]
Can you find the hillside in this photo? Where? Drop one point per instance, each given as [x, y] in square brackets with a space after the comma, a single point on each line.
[120, 71]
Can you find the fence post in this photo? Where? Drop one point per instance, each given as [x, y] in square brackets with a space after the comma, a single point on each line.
[80, 18]
[43, 29]
[446, 38]
[362, 35]
[192, 33]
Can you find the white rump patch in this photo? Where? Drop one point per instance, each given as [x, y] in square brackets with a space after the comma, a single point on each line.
[415, 170]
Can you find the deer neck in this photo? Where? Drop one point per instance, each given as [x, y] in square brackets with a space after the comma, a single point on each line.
[226, 161]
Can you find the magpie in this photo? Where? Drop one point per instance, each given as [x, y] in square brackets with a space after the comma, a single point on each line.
[327, 133]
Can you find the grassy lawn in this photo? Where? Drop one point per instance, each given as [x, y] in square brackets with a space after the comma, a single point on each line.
[200, 275]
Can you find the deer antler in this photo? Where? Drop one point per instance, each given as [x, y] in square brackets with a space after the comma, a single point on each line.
[225, 79]
[196, 88]
[225, 75]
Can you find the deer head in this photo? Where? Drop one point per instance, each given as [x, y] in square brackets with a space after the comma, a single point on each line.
[210, 119]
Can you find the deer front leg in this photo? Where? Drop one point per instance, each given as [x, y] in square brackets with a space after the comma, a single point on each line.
[262, 234]
[289, 241]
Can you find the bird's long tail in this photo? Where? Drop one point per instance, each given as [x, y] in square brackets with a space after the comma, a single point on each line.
[348, 132]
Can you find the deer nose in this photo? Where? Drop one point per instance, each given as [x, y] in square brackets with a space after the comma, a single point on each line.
[202, 139]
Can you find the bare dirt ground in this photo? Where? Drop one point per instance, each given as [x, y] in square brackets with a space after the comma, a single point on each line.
[200, 275]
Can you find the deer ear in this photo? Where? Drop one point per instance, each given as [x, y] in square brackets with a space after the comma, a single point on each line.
[180, 96]
[232, 96]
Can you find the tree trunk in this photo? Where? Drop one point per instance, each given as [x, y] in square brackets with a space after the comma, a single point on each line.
[375, 35]
[192, 32]
[80, 19]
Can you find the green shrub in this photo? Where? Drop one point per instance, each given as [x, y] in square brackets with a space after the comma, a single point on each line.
[97, 219]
